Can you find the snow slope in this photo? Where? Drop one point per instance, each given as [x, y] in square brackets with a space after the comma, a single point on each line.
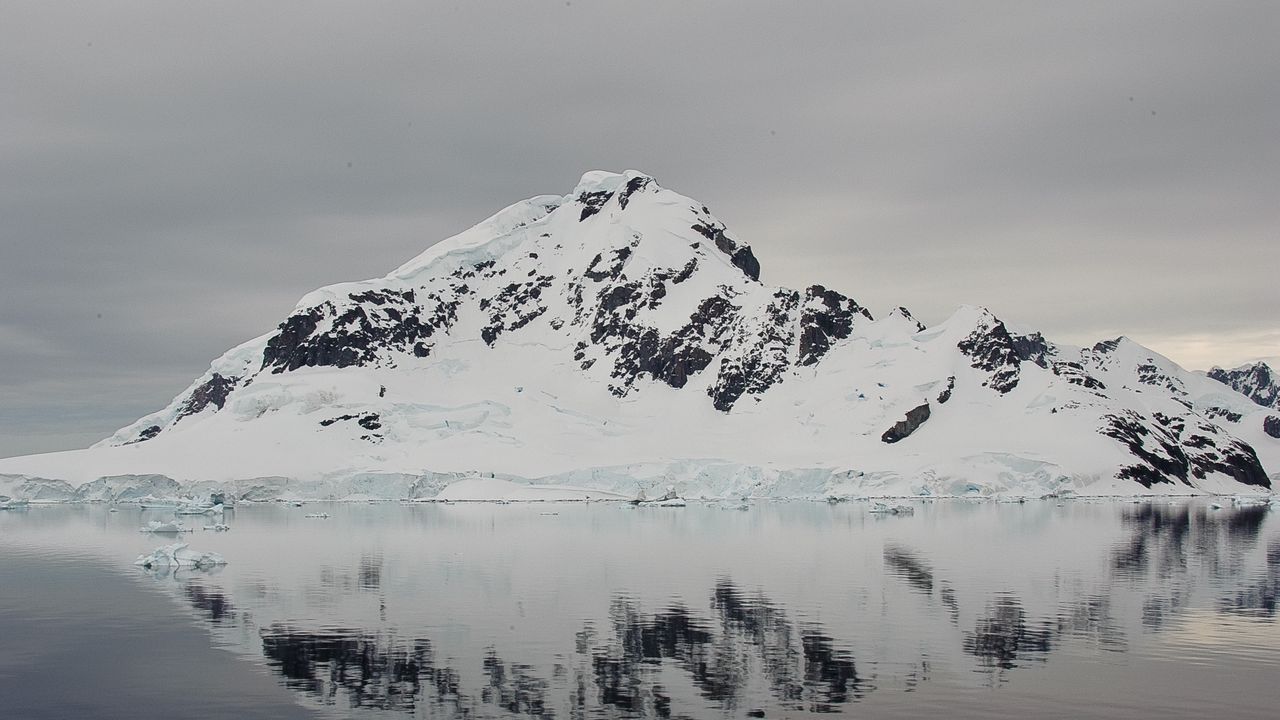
[618, 339]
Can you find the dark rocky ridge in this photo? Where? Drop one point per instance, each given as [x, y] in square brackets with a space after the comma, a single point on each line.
[1271, 426]
[1258, 382]
[212, 392]
[992, 348]
[827, 316]
[1166, 456]
[740, 255]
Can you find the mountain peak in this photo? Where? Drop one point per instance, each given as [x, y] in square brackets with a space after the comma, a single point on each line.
[623, 325]
[1256, 381]
[606, 181]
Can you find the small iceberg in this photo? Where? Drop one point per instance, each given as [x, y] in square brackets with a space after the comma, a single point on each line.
[1249, 500]
[196, 509]
[317, 516]
[178, 555]
[884, 509]
[668, 499]
[160, 528]
[218, 527]
[11, 504]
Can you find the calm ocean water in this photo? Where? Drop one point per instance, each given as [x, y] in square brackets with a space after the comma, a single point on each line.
[1045, 609]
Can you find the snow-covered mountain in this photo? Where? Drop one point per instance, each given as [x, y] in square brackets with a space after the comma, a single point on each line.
[619, 338]
[1256, 381]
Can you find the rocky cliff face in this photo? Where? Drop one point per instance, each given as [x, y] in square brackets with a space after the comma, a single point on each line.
[624, 323]
[1257, 381]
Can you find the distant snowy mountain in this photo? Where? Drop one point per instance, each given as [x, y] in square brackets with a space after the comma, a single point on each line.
[1256, 381]
[619, 339]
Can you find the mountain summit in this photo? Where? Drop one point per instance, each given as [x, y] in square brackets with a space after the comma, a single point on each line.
[619, 338]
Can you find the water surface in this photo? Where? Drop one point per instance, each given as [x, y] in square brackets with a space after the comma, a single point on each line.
[1049, 609]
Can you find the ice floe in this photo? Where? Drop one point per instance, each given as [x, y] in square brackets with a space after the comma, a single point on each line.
[161, 527]
[178, 555]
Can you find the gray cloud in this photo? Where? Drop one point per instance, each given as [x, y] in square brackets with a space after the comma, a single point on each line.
[176, 177]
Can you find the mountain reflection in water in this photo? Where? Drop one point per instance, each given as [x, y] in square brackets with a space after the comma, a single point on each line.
[788, 610]
[618, 669]
[746, 654]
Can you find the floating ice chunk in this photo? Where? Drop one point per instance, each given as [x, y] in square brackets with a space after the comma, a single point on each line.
[885, 509]
[1248, 500]
[178, 555]
[317, 516]
[10, 504]
[218, 527]
[158, 527]
[197, 509]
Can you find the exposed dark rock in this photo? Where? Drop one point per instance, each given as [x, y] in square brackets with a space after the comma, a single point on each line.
[1106, 346]
[739, 255]
[826, 315]
[1223, 413]
[592, 202]
[760, 355]
[368, 421]
[686, 272]
[1234, 459]
[360, 333]
[517, 305]
[1032, 348]
[945, 395]
[901, 429]
[611, 271]
[633, 185]
[1150, 374]
[1258, 382]
[991, 349]
[146, 434]
[1166, 458]
[910, 318]
[214, 392]
[1271, 426]
[1075, 374]
[1162, 460]
[671, 359]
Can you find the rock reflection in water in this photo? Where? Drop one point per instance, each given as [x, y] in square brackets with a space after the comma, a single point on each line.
[1176, 543]
[729, 649]
[802, 668]
[1258, 598]
[904, 563]
[1004, 636]
[209, 601]
[363, 669]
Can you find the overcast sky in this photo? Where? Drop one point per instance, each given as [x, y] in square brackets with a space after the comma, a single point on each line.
[173, 176]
